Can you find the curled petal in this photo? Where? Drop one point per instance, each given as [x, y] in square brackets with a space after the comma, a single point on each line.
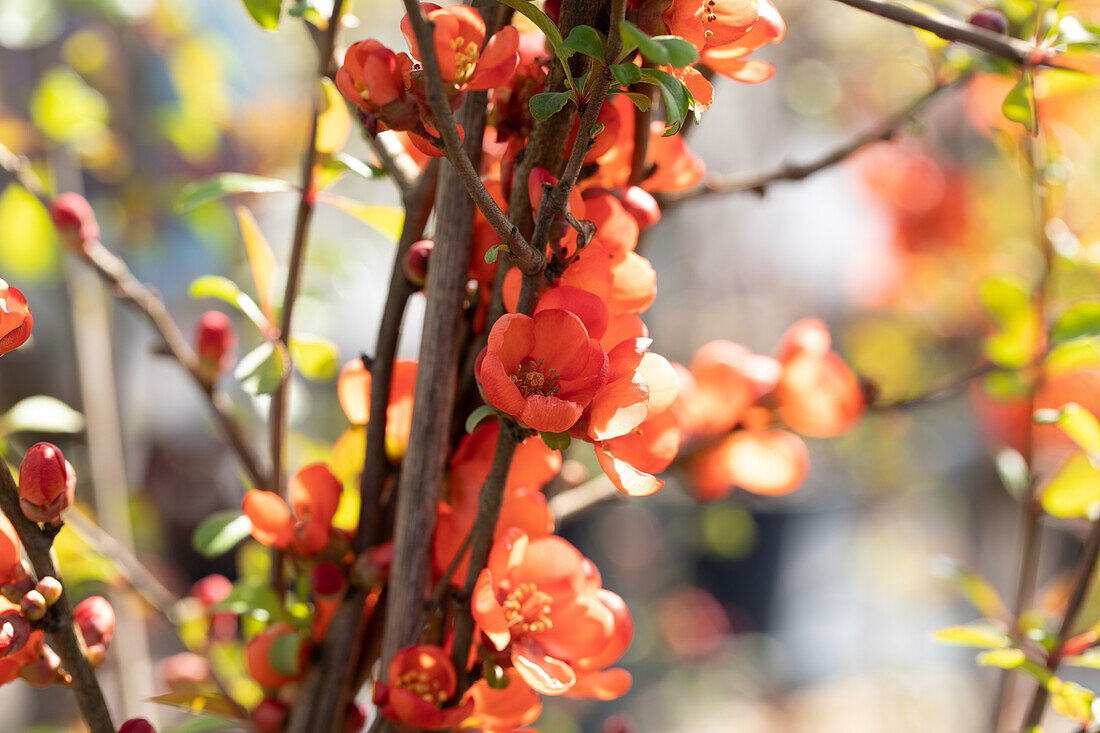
[272, 524]
[542, 673]
[626, 478]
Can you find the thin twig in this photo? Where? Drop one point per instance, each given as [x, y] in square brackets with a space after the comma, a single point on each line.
[936, 393]
[1012, 49]
[760, 182]
[68, 641]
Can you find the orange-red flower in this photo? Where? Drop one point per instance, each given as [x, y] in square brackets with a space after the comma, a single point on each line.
[314, 495]
[504, 709]
[818, 393]
[542, 601]
[760, 461]
[376, 80]
[16, 320]
[277, 655]
[420, 681]
[543, 369]
[353, 390]
[459, 34]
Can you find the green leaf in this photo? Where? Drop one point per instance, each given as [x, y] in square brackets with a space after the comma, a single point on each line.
[1080, 425]
[220, 532]
[478, 415]
[556, 441]
[1018, 104]
[316, 358]
[1074, 489]
[972, 586]
[582, 39]
[1078, 320]
[626, 74]
[633, 37]
[284, 655]
[547, 103]
[66, 109]
[333, 166]
[1003, 658]
[548, 27]
[255, 598]
[641, 101]
[681, 53]
[264, 12]
[983, 636]
[41, 414]
[1007, 300]
[386, 219]
[677, 99]
[224, 289]
[261, 370]
[493, 252]
[29, 246]
[225, 184]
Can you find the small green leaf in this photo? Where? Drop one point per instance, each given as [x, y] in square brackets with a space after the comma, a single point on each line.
[478, 415]
[641, 101]
[681, 53]
[1018, 104]
[626, 74]
[224, 289]
[582, 39]
[1003, 658]
[556, 441]
[493, 252]
[219, 533]
[547, 103]
[976, 589]
[389, 220]
[316, 358]
[1078, 320]
[677, 99]
[264, 12]
[494, 676]
[548, 27]
[336, 164]
[633, 37]
[1080, 425]
[261, 370]
[225, 184]
[976, 635]
[1074, 488]
[255, 598]
[285, 654]
[41, 414]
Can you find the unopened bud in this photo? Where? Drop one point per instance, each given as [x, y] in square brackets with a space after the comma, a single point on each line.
[137, 725]
[96, 620]
[416, 261]
[75, 220]
[32, 605]
[640, 204]
[97, 655]
[269, 715]
[47, 483]
[991, 19]
[355, 718]
[215, 342]
[211, 590]
[14, 632]
[328, 580]
[185, 673]
[50, 588]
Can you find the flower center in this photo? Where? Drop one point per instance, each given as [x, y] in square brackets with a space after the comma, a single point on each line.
[709, 16]
[466, 55]
[419, 683]
[531, 379]
[527, 609]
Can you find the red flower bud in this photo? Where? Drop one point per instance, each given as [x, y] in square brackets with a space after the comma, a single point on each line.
[137, 725]
[212, 589]
[640, 204]
[416, 261]
[185, 673]
[328, 580]
[32, 605]
[16, 320]
[14, 632]
[215, 342]
[50, 588]
[46, 483]
[269, 715]
[355, 718]
[990, 19]
[96, 620]
[74, 219]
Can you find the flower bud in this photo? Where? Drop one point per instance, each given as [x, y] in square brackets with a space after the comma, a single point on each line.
[137, 725]
[74, 219]
[991, 19]
[269, 715]
[97, 655]
[185, 673]
[211, 590]
[640, 204]
[32, 605]
[416, 261]
[50, 588]
[46, 483]
[328, 580]
[14, 632]
[16, 320]
[96, 620]
[43, 671]
[215, 342]
[355, 718]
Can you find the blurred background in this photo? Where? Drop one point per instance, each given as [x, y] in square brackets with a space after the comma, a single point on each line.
[809, 612]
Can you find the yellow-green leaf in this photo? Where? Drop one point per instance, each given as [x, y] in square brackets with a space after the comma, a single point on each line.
[67, 109]
[1071, 700]
[28, 242]
[1073, 489]
[265, 12]
[1082, 426]
[334, 122]
[260, 259]
[316, 358]
[983, 636]
[1004, 658]
[386, 219]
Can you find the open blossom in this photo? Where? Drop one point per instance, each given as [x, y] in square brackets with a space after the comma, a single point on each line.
[459, 36]
[16, 320]
[306, 525]
[543, 369]
[818, 393]
[542, 601]
[419, 682]
[375, 79]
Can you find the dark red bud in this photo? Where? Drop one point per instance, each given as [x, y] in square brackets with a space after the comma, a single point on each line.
[355, 719]
[215, 342]
[74, 219]
[96, 619]
[269, 715]
[416, 261]
[328, 580]
[990, 19]
[137, 725]
[46, 483]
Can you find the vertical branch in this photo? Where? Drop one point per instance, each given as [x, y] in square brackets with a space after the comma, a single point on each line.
[67, 640]
[297, 254]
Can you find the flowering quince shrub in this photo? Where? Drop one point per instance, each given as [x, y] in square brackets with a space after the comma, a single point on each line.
[412, 573]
